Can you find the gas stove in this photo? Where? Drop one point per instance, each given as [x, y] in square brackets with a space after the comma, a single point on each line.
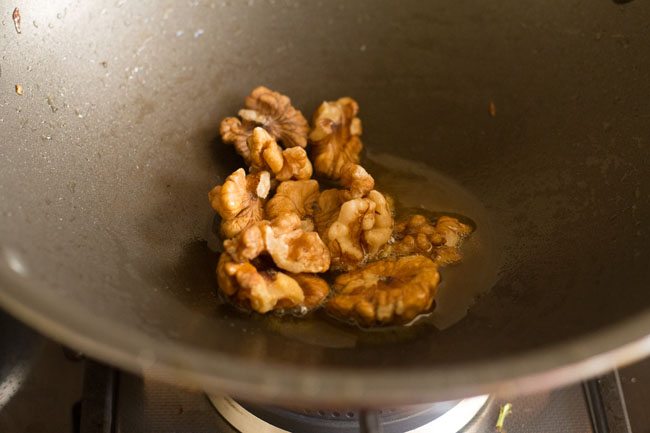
[45, 387]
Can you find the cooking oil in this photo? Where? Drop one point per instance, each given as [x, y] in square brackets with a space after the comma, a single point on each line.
[415, 189]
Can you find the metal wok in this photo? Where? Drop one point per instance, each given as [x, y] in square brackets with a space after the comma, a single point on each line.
[107, 156]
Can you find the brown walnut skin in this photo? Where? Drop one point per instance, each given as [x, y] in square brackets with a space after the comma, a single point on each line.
[335, 137]
[386, 292]
[284, 164]
[440, 240]
[240, 200]
[273, 112]
[266, 289]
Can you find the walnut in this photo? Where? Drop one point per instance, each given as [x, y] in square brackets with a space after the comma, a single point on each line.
[335, 137]
[343, 236]
[266, 154]
[296, 165]
[452, 230]
[314, 288]
[240, 200]
[294, 249]
[294, 196]
[355, 229]
[389, 291]
[248, 244]
[234, 131]
[356, 180]
[291, 248]
[327, 209]
[261, 290]
[382, 229]
[275, 248]
[418, 235]
[273, 112]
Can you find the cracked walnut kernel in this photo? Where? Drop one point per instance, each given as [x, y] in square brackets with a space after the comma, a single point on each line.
[290, 247]
[335, 137]
[262, 290]
[361, 227]
[417, 235]
[390, 291]
[327, 208]
[234, 131]
[284, 164]
[314, 288]
[356, 180]
[294, 249]
[297, 197]
[239, 201]
[273, 112]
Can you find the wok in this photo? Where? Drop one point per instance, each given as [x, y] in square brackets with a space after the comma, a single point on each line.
[108, 154]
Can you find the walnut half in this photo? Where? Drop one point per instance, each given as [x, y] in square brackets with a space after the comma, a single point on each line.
[291, 248]
[273, 112]
[390, 291]
[417, 235]
[266, 154]
[239, 201]
[356, 180]
[356, 230]
[294, 249]
[265, 289]
[314, 288]
[294, 196]
[262, 291]
[335, 137]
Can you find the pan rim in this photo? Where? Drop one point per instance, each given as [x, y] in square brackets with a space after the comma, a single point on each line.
[550, 367]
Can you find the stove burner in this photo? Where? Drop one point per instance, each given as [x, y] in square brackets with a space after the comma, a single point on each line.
[445, 417]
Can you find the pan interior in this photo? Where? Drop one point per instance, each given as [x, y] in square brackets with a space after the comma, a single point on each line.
[108, 155]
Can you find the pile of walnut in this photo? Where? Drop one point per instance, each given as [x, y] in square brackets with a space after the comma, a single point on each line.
[282, 231]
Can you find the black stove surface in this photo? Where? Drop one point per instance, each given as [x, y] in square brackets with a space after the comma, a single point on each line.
[40, 383]
[46, 388]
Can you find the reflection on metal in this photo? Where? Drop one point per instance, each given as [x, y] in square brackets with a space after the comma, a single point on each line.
[619, 388]
[14, 262]
[452, 421]
[240, 418]
[457, 418]
[10, 383]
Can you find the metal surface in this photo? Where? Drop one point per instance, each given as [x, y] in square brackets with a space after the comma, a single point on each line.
[614, 402]
[596, 407]
[562, 410]
[98, 402]
[342, 418]
[443, 417]
[635, 387]
[39, 385]
[154, 406]
[241, 419]
[145, 405]
[107, 156]
[369, 422]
